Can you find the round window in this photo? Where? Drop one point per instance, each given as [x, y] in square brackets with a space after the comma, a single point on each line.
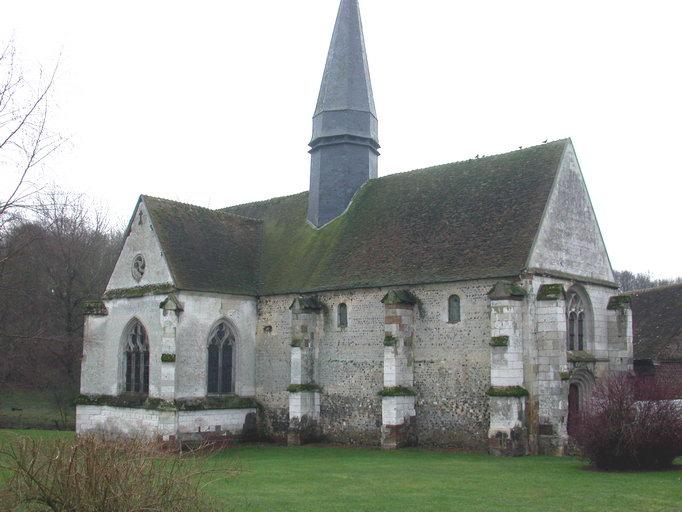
[139, 266]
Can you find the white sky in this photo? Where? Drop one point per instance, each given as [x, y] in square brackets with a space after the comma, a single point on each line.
[210, 102]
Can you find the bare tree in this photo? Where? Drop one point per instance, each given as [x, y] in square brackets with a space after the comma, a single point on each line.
[70, 256]
[25, 140]
[630, 281]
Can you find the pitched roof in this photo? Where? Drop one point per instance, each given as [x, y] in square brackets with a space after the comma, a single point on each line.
[467, 220]
[657, 323]
[208, 250]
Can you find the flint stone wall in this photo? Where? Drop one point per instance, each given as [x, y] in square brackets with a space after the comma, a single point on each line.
[451, 365]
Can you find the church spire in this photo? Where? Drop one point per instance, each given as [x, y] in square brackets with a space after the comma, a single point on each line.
[345, 141]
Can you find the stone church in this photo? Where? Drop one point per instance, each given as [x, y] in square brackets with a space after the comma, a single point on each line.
[470, 305]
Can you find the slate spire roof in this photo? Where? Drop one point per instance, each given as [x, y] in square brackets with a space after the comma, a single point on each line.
[345, 105]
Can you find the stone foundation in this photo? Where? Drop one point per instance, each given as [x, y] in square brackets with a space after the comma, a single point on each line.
[508, 433]
[398, 429]
[164, 424]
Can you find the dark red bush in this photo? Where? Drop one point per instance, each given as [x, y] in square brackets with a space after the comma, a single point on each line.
[628, 424]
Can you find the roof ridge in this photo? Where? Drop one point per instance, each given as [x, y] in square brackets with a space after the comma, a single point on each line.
[180, 203]
[402, 173]
[219, 211]
[262, 201]
[486, 157]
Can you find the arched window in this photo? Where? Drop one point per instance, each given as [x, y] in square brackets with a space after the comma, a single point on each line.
[576, 322]
[342, 315]
[454, 309]
[221, 359]
[137, 359]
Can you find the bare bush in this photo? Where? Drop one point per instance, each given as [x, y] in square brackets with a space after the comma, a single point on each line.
[630, 425]
[100, 473]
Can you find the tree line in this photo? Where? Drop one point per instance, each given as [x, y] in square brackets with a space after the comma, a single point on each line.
[630, 281]
[52, 261]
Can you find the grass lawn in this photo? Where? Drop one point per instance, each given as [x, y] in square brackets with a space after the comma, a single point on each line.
[31, 409]
[346, 479]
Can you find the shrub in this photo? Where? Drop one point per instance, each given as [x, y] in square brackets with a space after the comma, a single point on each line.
[98, 473]
[303, 388]
[509, 391]
[618, 431]
[499, 341]
[390, 340]
[397, 391]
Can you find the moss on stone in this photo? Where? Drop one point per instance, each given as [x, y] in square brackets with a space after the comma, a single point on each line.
[399, 297]
[298, 343]
[551, 292]
[397, 391]
[129, 400]
[619, 303]
[167, 358]
[509, 391]
[159, 404]
[507, 290]
[564, 376]
[211, 403]
[134, 401]
[303, 388]
[139, 291]
[499, 341]
[390, 341]
[172, 303]
[580, 356]
[94, 308]
[310, 303]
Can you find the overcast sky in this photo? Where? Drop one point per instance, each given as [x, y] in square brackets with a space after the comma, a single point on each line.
[210, 102]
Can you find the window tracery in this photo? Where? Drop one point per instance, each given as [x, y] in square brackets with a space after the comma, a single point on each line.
[137, 359]
[576, 322]
[221, 359]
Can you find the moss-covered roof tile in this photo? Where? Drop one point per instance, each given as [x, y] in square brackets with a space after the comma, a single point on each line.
[467, 220]
[208, 250]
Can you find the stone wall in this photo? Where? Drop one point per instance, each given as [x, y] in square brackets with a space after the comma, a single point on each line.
[102, 367]
[569, 240]
[202, 311]
[152, 423]
[548, 373]
[140, 240]
[451, 365]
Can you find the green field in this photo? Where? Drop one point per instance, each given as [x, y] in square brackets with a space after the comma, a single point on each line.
[347, 479]
[34, 409]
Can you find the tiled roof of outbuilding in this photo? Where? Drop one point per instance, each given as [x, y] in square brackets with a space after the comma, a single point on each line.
[657, 323]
